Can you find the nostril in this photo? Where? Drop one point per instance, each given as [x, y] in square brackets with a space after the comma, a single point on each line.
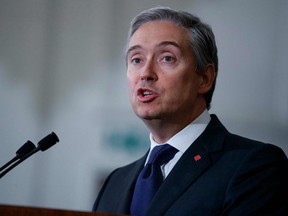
[147, 77]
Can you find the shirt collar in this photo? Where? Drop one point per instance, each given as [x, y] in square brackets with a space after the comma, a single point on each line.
[184, 138]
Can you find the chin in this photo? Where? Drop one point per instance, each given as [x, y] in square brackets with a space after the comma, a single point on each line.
[148, 116]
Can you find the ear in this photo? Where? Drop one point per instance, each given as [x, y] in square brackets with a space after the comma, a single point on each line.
[208, 76]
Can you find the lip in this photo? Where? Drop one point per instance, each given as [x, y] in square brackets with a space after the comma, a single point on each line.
[148, 97]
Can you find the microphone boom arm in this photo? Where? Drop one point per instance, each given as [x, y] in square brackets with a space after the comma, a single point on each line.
[43, 145]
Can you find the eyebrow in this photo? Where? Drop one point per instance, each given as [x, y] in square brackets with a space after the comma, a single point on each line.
[132, 48]
[163, 43]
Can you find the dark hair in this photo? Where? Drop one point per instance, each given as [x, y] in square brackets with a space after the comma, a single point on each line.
[202, 38]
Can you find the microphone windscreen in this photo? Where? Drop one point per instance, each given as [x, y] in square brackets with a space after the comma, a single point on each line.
[25, 149]
[48, 141]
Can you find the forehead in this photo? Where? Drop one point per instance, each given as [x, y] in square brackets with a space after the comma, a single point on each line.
[155, 32]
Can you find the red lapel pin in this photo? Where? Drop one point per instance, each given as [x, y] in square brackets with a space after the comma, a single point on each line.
[197, 157]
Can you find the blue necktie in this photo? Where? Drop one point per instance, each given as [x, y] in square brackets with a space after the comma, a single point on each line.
[150, 178]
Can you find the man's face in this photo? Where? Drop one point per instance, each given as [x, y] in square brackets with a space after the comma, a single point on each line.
[161, 71]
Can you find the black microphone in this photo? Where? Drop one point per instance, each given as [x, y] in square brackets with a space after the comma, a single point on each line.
[43, 145]
[21, 152]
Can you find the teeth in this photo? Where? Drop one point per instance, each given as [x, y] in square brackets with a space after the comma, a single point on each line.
[146, 93]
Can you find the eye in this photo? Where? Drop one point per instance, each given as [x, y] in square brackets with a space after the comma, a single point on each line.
[167, 59]
[136, 60]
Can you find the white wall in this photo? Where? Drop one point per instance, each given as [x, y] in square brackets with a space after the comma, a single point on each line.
[62, 69]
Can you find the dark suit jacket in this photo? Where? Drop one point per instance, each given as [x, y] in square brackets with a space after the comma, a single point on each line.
[234, 176]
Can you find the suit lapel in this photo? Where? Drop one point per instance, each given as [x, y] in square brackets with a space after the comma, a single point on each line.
[193, 163]
[123, 204]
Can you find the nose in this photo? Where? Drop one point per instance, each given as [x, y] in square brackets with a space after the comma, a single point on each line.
[149, 72]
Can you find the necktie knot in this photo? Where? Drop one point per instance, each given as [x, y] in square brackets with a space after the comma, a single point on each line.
[162, 154]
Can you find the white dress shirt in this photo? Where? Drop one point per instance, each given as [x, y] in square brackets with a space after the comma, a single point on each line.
[182, 140]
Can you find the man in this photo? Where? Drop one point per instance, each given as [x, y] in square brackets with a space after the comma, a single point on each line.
[172, 67]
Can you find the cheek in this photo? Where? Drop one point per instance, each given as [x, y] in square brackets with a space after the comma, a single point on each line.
[191, 82]
[130, 79]
[131, 87]
[183, 89]
[174, 93]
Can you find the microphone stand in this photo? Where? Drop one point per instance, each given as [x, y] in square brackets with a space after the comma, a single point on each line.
[22, 151]
[43, 145]
[18, 162]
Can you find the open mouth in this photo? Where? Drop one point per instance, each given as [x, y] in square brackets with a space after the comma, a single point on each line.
[146, 95]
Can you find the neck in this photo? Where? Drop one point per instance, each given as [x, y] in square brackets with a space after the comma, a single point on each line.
[165, 128]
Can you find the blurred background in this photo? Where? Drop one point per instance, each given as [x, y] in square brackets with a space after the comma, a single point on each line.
[62, 70]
